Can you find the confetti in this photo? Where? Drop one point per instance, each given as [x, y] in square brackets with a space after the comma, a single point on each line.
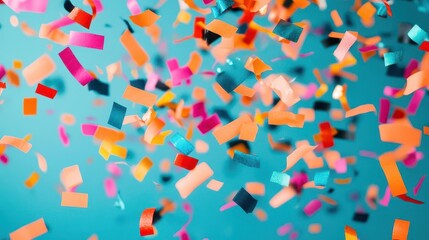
[46, 91]
[280, 178]
[365, 108]
[214, 185]
[185, 162]
[139, 96]
[146, 222]
[70, 177]
[117, 115]
[30, 106]
[74, 67]
[32, 180]
[38, 70]
[87, 40]
[137, 53]
[30, 231]
[245, 201]
[186, 185]
[73, 199]
[142, 168]
[288, 30]
[346, 43]
[145, 18]
[181, 144]
[400, 229]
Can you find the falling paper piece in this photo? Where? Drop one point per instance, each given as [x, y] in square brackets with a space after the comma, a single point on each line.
[73, 199]
[30, 231]
[186, 185]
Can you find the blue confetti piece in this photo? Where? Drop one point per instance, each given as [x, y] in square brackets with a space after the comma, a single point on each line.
[391, 58]
[381, 9]
[280, 178]
[288, 30]
[321, 178]
[417, 34]
[117, 115]
[181, 144]
[247, 159]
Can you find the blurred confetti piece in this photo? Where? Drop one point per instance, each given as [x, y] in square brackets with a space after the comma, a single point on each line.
[245, 200]
[400, 229]
[41, 161]
[139, 96]
[108, 134]
[280, 178]
[221, 28]
[393, 132]
[416, 81]
[214, 185]
[284, 229]
[30, 106]
[21, 144]
[417, 34]
[30, 231]
[350, 233]
[93, 237]
[393, 176]
[145, 18]
[227, 206]
[247, 159]
[321, 178]
[70, 177]
[32, 180]
[46, 91]
[312, 207]
[110, 187]
[282, 197]
[38, 70]
[142, 168]
[35, 6]
[146, 222]
[63, 135]
[73, 199]
[186, 185]
[134, 49]
[391, 58]
[314, 228]
[297, 154]
[419, 185]
[74, 67]
[343, 48]
[255, 188]
[87, 40]
[365, 108]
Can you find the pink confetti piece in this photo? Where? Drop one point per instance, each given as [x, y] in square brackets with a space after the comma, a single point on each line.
[178, 74]
[4, 159]
[88, 40]
[384, 110]
[199, 110]
[134, 7]
[312, 207]
[152, 80]
[344, 46]
[114, 169]
[62, 22]
[412, 159]
[36, 6]
[415, 101]
[386, 198]
[391, 91]
[98, 5]
[110, 187]
[304, 55]
[2, 71]
[368, 48]
[412, 65]
[369, 154]
[310, 91]
[284, 229]
[419, 185]
[341, 166]
[294, 236]
[74, 67]
[63, 135]
[228, 206]
[88, 129]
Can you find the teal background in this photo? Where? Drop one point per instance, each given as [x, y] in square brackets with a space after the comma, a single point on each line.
[20, 206]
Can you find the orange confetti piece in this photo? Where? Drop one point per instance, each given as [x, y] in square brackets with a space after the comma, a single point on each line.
[221, 28]
[214, 185]
[73, 199]
[400, 229]
[225, 133]
[145, 18]
[393, 176]
[296, 155]
[350, 233]
[220, 92]
[186, 185]
[139, 96]
[338, 22]
[394, 132]
[248, 131]
[30, 106]
[365, 108]
[255, 188]
[416, 81]
[286, 118]
[32, 180]
[38, 70]
[153, 129]
[284, 195]
[70, 177]
[30, 231]
[18, 143]
[137, 53]
[245, 91]
[108, 134]
[142, 168]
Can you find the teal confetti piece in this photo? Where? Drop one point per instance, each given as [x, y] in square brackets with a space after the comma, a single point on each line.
[288, 30]
[321, 178]
[247, 159]
[117, 115]
[280, 178]
[417, 34]
[391, 58]
[181, 144]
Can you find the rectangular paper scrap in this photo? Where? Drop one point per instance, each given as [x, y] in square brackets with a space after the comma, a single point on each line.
[343, 48]
[88, 40]
[394, 132]
[400, 229]
[18, 143]
[288, 30]
[229, 131]
[221, 28]
[46, 91]
[142, 168]
[139, 96]
[75, 68]
[74, 199]
[117, 115]
[30, 231]
[393, 176]
[193, 179]
[30, 106]
[360, 110]
[38, 70]
[134, 49]
[70, 177]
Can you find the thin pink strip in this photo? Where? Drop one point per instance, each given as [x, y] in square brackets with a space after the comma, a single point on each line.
[88, 40]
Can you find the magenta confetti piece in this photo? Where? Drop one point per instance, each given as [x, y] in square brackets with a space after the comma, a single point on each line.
[285, 229]
[4, 159]
[419, 185]
[415, 101]
[412, 65]
[110, 187]
[209, 124]
[386, 198]
[384, 110]
[228, 206]
[63, 135]
[368, 48]
[312, 207]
